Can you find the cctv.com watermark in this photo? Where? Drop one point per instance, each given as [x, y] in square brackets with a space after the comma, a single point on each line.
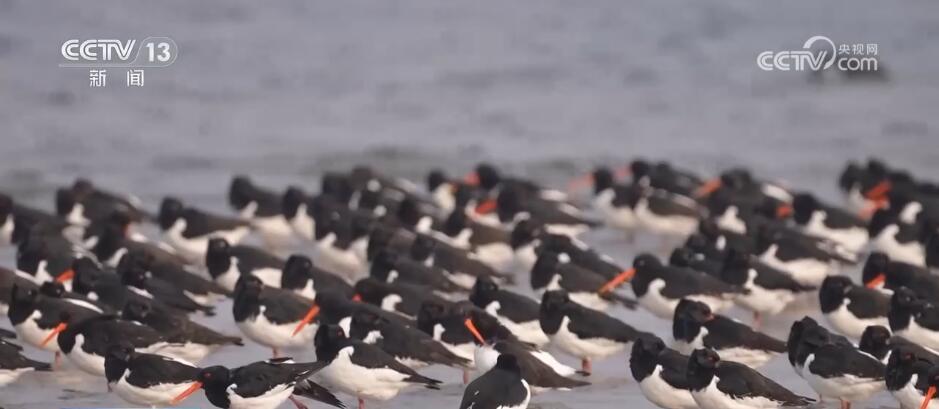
[820, 53]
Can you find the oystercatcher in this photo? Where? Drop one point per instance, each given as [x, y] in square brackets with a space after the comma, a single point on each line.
[661, 373]
[768, 290]
[460, 266]
[659, 288]
[513, 206]
[391, 268]
[819, 219]
[490, 244]
[907, 378]
[83, 202]
[887, 275]
[583, 286]
[363, 370]
[539, 369]
[146, 379]
[797, 351]
[402, 298]
[901, 241]
[516, 312]
[134, 275]
[695, 327]
[13, 364]
[188, 229]
[914, 319]
[191, 341]
[226, 263]
[271, 316]
[718, 384]
[850, 308]
[880, 343]
[501, 387]
[489, 179]
[612, 200]
[807, 259]
[662, 175]
[260, 385]
[297, 209]
[263, 208]
[839, 371]
[305, 279]
[582, 332]
[408, 345]
[35, 316]
[341, 243]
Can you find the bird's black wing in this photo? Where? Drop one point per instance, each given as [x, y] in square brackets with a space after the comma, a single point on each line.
[724, 332]
[738, 380]
[588, 323]
[837, 360]
[150, 369]
[370, 356]
[313, 390]
[868, 303]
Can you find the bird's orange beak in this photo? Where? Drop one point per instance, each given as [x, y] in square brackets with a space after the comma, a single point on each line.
[707, 188]
[877, 281]
[472, 329]
[579, 182]
[879, 190]
[307, 319]
[471, 178]
[357, 298]
[486, 207]
[929, 395]
[52, 334]
[616, 281]
[65, 276]
[783, 211]
[189, 391]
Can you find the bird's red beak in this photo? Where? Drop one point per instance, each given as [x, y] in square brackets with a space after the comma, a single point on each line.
[189, 391]
[471, 178]
[486, 207]
[707, 188]
[307, 319]
[783, 211]
[65, 276]
[877, 281]
[55, 331]
[616, 281]
[879, 191]
[472, 329]
[929, 395]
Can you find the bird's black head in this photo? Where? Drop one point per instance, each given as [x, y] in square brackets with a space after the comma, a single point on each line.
[484, 292]
[639, 168]
[23, 301]
[382, 265]
[328, 341]
[218, 256]
[602, 179]
[832, 294]
[701, 367]
[545, 267]
[379, 238]
[645, 356]
[646, 261]
[431, 313]
[423, 247]
[132, 273]
[814, 337]
[874, 273]
[875, 341]
[248, 287]
[699, 312]
[850, 176]
[509, 363]
[116, 359]
[488, 176]
[879, 221]
[30, 254]
[795, 336]
[215, 381]
[240, 192]
[409, 212]
[363, 322]
[736, 268]
[136, 310]
[371, 290]
[290, 202]
[435, 178]
[933, 378]
[803, 205]
[483, 327]
[110, 240]
[681, 257]
[52, 289]
[6, 206]
[171, 209]
[509, 203]
[65, 201]
[553, 305]
[297, 271]
[455, 223]
[337, 186]
[905, 299]
[523, 234]
[86, 275]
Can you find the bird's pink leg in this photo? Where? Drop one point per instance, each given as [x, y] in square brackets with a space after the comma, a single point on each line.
[275, 352]
[57, 361]
[297, 403]
[586, 367]
[361, 403]
[757, 320]
[466, 377]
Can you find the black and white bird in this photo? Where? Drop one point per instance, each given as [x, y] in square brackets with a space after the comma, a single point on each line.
[767, 290]
[459, 265]
[502, 387]
[908, 377]
[13, 364]
[659, 288]
[611, 200]
[583, 332]
[851, 308]
[695, 327]
[408, 345]
[490, 244]
[839, 371]
[36, 317]
[807, 259]
[832, 223]
[914, 319]
[583, 286]
[900, 240]
[398, 297]
[516, 312]
[880, 272]
[260, 385]
[933, 385]
[136, 278]
[272, 317]
[188, 229]
[226, 263]
[880, 343]
[189, 340]
[84, 203]
[146, 379]
[389, 267]
[301, 276]
[797, 351]
[362, 370]
[661, 373]
[263, 208]
[719, 384]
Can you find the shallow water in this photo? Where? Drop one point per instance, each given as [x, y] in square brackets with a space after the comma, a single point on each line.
[545, 88]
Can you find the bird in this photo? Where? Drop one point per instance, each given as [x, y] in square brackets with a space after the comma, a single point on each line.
[263, 208]
[807, 259]
[260, 385]
[908, 379]
[913, 318]
[797, 352]
[838, 371]
[272, 317]
[886, 275]
[880, 343]
[398, 297]
[768, 290]
[188, 229]
[83, 203]
[490, 244]
[720, 384]
[362, 370]
[146, 379]
[459, 265]
[36, 317]
[900, 240]
[835, 224]
[659, 288]
[135, 276]
[389, 267]
[611, 200]
[501, 387]
[850, 308]
[582, 332]
[301, 276]
[408, 345]
[13, 364]
[226, 263]
[661, 374]
[695, 327]
[516, 312]
[582, 285]
[195, 340]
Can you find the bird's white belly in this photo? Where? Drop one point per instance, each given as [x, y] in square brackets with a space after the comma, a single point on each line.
[30, 332]
[584, 348]
[850, 326]
[85, 361]
[663, 395]
[847, 387]
[499, 256]
[275, 231]
[368, 383]
[157, 395]
[919, 335]
[765, 301]
[269, 400]
[264, 332]
[805, 271]
[712, 398]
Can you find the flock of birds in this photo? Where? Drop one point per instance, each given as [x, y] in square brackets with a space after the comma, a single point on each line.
[403, 277]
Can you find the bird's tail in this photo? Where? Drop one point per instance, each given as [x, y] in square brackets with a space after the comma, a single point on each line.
[312, 390]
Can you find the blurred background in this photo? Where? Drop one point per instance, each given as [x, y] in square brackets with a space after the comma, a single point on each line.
[285, 90]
